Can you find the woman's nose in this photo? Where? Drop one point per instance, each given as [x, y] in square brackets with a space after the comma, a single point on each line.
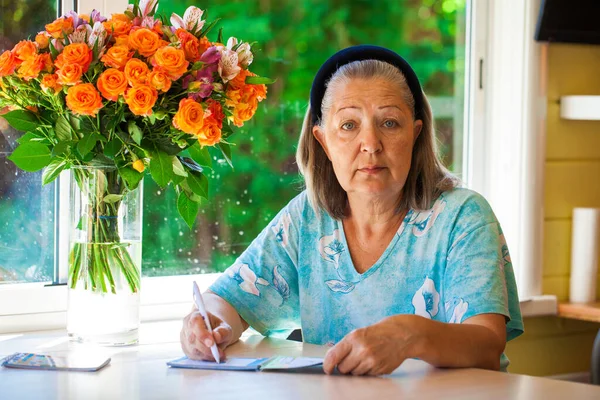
[370, 140]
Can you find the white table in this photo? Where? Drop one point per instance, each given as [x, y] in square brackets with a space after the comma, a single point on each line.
[140, 372]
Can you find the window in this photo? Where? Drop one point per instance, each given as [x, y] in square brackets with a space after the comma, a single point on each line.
[294, 38]
[27, 210]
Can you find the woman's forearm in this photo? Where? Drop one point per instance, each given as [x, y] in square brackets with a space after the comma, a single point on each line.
[220, 308]
[458, 345]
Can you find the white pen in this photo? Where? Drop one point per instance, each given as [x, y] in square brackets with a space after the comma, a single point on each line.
[200, 304]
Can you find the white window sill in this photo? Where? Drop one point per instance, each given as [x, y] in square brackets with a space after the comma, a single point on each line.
[538, 306]
[32, 306]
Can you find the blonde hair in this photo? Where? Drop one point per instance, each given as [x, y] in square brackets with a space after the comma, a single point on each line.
[427, 177]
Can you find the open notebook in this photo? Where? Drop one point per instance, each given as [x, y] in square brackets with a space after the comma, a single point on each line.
[276, 363]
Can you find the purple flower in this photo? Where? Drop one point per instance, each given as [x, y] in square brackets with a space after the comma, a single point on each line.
[96, 17]
[211, 55]
[76, 20]
[207, 72]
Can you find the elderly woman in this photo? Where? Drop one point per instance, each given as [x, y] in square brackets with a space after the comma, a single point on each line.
[382, 256]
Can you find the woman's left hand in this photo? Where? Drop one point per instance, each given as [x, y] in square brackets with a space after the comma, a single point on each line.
[377, 349]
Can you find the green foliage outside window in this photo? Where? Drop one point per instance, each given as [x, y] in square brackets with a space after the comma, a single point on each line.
[295, 37]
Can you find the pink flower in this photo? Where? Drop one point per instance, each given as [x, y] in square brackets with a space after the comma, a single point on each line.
[211, 55]
[147, 6]
[245, 56]
[192, 18]
[228, 64]
[96, 17]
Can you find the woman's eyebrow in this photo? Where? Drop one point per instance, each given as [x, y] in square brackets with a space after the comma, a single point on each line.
[346, 107]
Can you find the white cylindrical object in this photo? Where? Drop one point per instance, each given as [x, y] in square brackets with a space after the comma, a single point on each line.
[585, 241]
[580, 107]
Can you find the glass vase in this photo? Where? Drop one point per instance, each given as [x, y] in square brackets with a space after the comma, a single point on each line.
[105, 255]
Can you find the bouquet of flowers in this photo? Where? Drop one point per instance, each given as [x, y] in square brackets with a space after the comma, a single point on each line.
[132, 93]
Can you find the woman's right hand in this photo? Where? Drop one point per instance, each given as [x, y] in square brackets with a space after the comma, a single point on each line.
[196, 340]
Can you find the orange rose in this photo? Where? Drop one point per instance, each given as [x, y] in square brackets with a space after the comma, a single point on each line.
[112, 83]
[46, 60]
[259, 92]
[118, 25]
[244, 112]
[50, 81]
[70, 74]
[189, 117]
[136, 71]
[42, 41]
[203, 45]
[189, 44]
[215, 111]
[122, 41]
[170, 60]
[141, 99]
[84, 99]
[209, 135]
[85, 17]
[8, 63]
[60, 26]
[145, 41]
[240, 80]
[117, 57]
[75, 53]
[32, 67]
[138, 165]
[244, 102]
[159, 80]
[24, 50]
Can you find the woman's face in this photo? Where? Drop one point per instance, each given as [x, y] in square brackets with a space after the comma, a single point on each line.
[369, 135]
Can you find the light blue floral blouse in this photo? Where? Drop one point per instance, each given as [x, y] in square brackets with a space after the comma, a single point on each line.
[448, 263]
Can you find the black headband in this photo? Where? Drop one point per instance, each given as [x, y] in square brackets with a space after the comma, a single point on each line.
[360, 53]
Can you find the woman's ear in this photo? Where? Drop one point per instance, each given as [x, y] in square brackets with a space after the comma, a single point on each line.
[417, 128]
[319, 134]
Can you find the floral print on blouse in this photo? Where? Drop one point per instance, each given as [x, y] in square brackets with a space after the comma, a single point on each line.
[448, 263]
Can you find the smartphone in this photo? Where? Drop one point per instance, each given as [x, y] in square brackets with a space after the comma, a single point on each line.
[67, 362]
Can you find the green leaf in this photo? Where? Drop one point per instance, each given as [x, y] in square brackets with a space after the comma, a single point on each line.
[22, 120]
[62, 129]
[61, 148]
[259, 80]
[112, 148]
[53, 50]
[198, 183]
[87, 143]
[207, 28]
[135, 132]
[29, 136]
[178, 167]
[52, 171]
[131, 177]
[200, 155]
[31, 156]
[177, 179]
[220, 36]
[112, 198]
[226, 151]
[187, 208]
[161, 167]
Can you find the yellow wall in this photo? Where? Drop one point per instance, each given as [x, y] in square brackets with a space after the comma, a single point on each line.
[555, 345]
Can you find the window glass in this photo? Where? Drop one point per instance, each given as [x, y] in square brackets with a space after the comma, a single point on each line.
[26, 208]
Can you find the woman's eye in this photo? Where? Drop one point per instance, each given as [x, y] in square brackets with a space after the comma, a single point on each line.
[390, 123]
[348, 126]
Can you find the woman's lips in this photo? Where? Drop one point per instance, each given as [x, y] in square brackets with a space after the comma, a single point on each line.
[371, 169]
